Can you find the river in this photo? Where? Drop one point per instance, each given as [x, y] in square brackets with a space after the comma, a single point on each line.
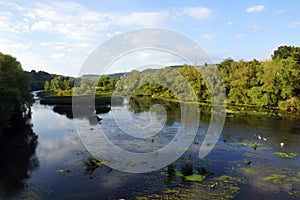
[47, 160]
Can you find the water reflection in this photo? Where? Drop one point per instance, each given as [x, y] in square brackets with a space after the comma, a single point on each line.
[59, 148]
[63, 106]
[17, 152]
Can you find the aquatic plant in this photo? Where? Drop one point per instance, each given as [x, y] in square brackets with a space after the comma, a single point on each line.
[171, 170]
[286, 155]
[92, 163]
[187, 169]
[219, 188]
[274, 179]
[63, 171]
[195, 177]
[254, 145]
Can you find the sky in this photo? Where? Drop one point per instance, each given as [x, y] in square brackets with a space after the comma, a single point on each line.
[58, 36]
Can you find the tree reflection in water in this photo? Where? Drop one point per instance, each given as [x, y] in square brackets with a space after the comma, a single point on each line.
[17, 153]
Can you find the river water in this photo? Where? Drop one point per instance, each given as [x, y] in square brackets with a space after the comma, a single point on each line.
[47, 159]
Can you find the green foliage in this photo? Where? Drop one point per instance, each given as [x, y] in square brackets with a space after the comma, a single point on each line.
[284, 52]
[38, 79]
[63, 86]
[14, 89]
[195, 177]
[184, 84]
[106, 84]
[60, 85]
[286, 155]
[274, 83]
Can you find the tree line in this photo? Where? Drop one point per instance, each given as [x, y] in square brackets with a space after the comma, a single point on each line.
[271, 83]
[64, 86]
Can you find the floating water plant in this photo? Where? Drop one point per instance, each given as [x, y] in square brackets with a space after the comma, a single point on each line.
[195, 177]
[286, 155]
[274, 179]
[63, 171]
[92, 163]
[254, 145]
[218, 188]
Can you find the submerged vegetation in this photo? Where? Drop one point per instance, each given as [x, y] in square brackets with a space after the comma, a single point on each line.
[271, 178]
[92, 163]
[219, 188]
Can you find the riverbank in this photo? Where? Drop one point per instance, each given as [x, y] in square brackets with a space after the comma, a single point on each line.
[232, 110]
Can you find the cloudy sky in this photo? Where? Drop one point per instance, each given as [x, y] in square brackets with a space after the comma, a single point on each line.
[57, 36]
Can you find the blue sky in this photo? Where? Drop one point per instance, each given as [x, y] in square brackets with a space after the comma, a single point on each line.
[57, 36]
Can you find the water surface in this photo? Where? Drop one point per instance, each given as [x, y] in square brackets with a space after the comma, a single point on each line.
[49, 142]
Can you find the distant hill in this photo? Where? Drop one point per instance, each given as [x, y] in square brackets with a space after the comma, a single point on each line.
[39, 78]
[95, 76]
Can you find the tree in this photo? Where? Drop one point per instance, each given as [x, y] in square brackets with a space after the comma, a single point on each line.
[14, 89]
[284, 52]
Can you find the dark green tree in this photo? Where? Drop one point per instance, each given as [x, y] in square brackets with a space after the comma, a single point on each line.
[14, 89]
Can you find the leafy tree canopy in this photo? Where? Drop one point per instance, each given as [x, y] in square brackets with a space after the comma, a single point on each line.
[14, 89]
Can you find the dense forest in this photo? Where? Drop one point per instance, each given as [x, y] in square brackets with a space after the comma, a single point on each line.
[271, 83]
[14, 90]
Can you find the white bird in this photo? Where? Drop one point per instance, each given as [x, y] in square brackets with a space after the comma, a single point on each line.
[265, 139]
[259, 137]
[281, 144]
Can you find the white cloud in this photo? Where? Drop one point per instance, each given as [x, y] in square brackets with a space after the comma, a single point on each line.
[31, 59]
[140, 18]
[229, 23]
[7, 23]
[254, 27]
[208, 36]
[75, 21]
[66, 46]
[294, 24]
[198, 12]
[257, 8]
[42, 26]
[7, 47]
[239, 35]
[280, 11]
[265, 54]
[57, 55]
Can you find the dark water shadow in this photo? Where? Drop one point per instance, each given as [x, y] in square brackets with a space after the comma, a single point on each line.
[18, 155]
